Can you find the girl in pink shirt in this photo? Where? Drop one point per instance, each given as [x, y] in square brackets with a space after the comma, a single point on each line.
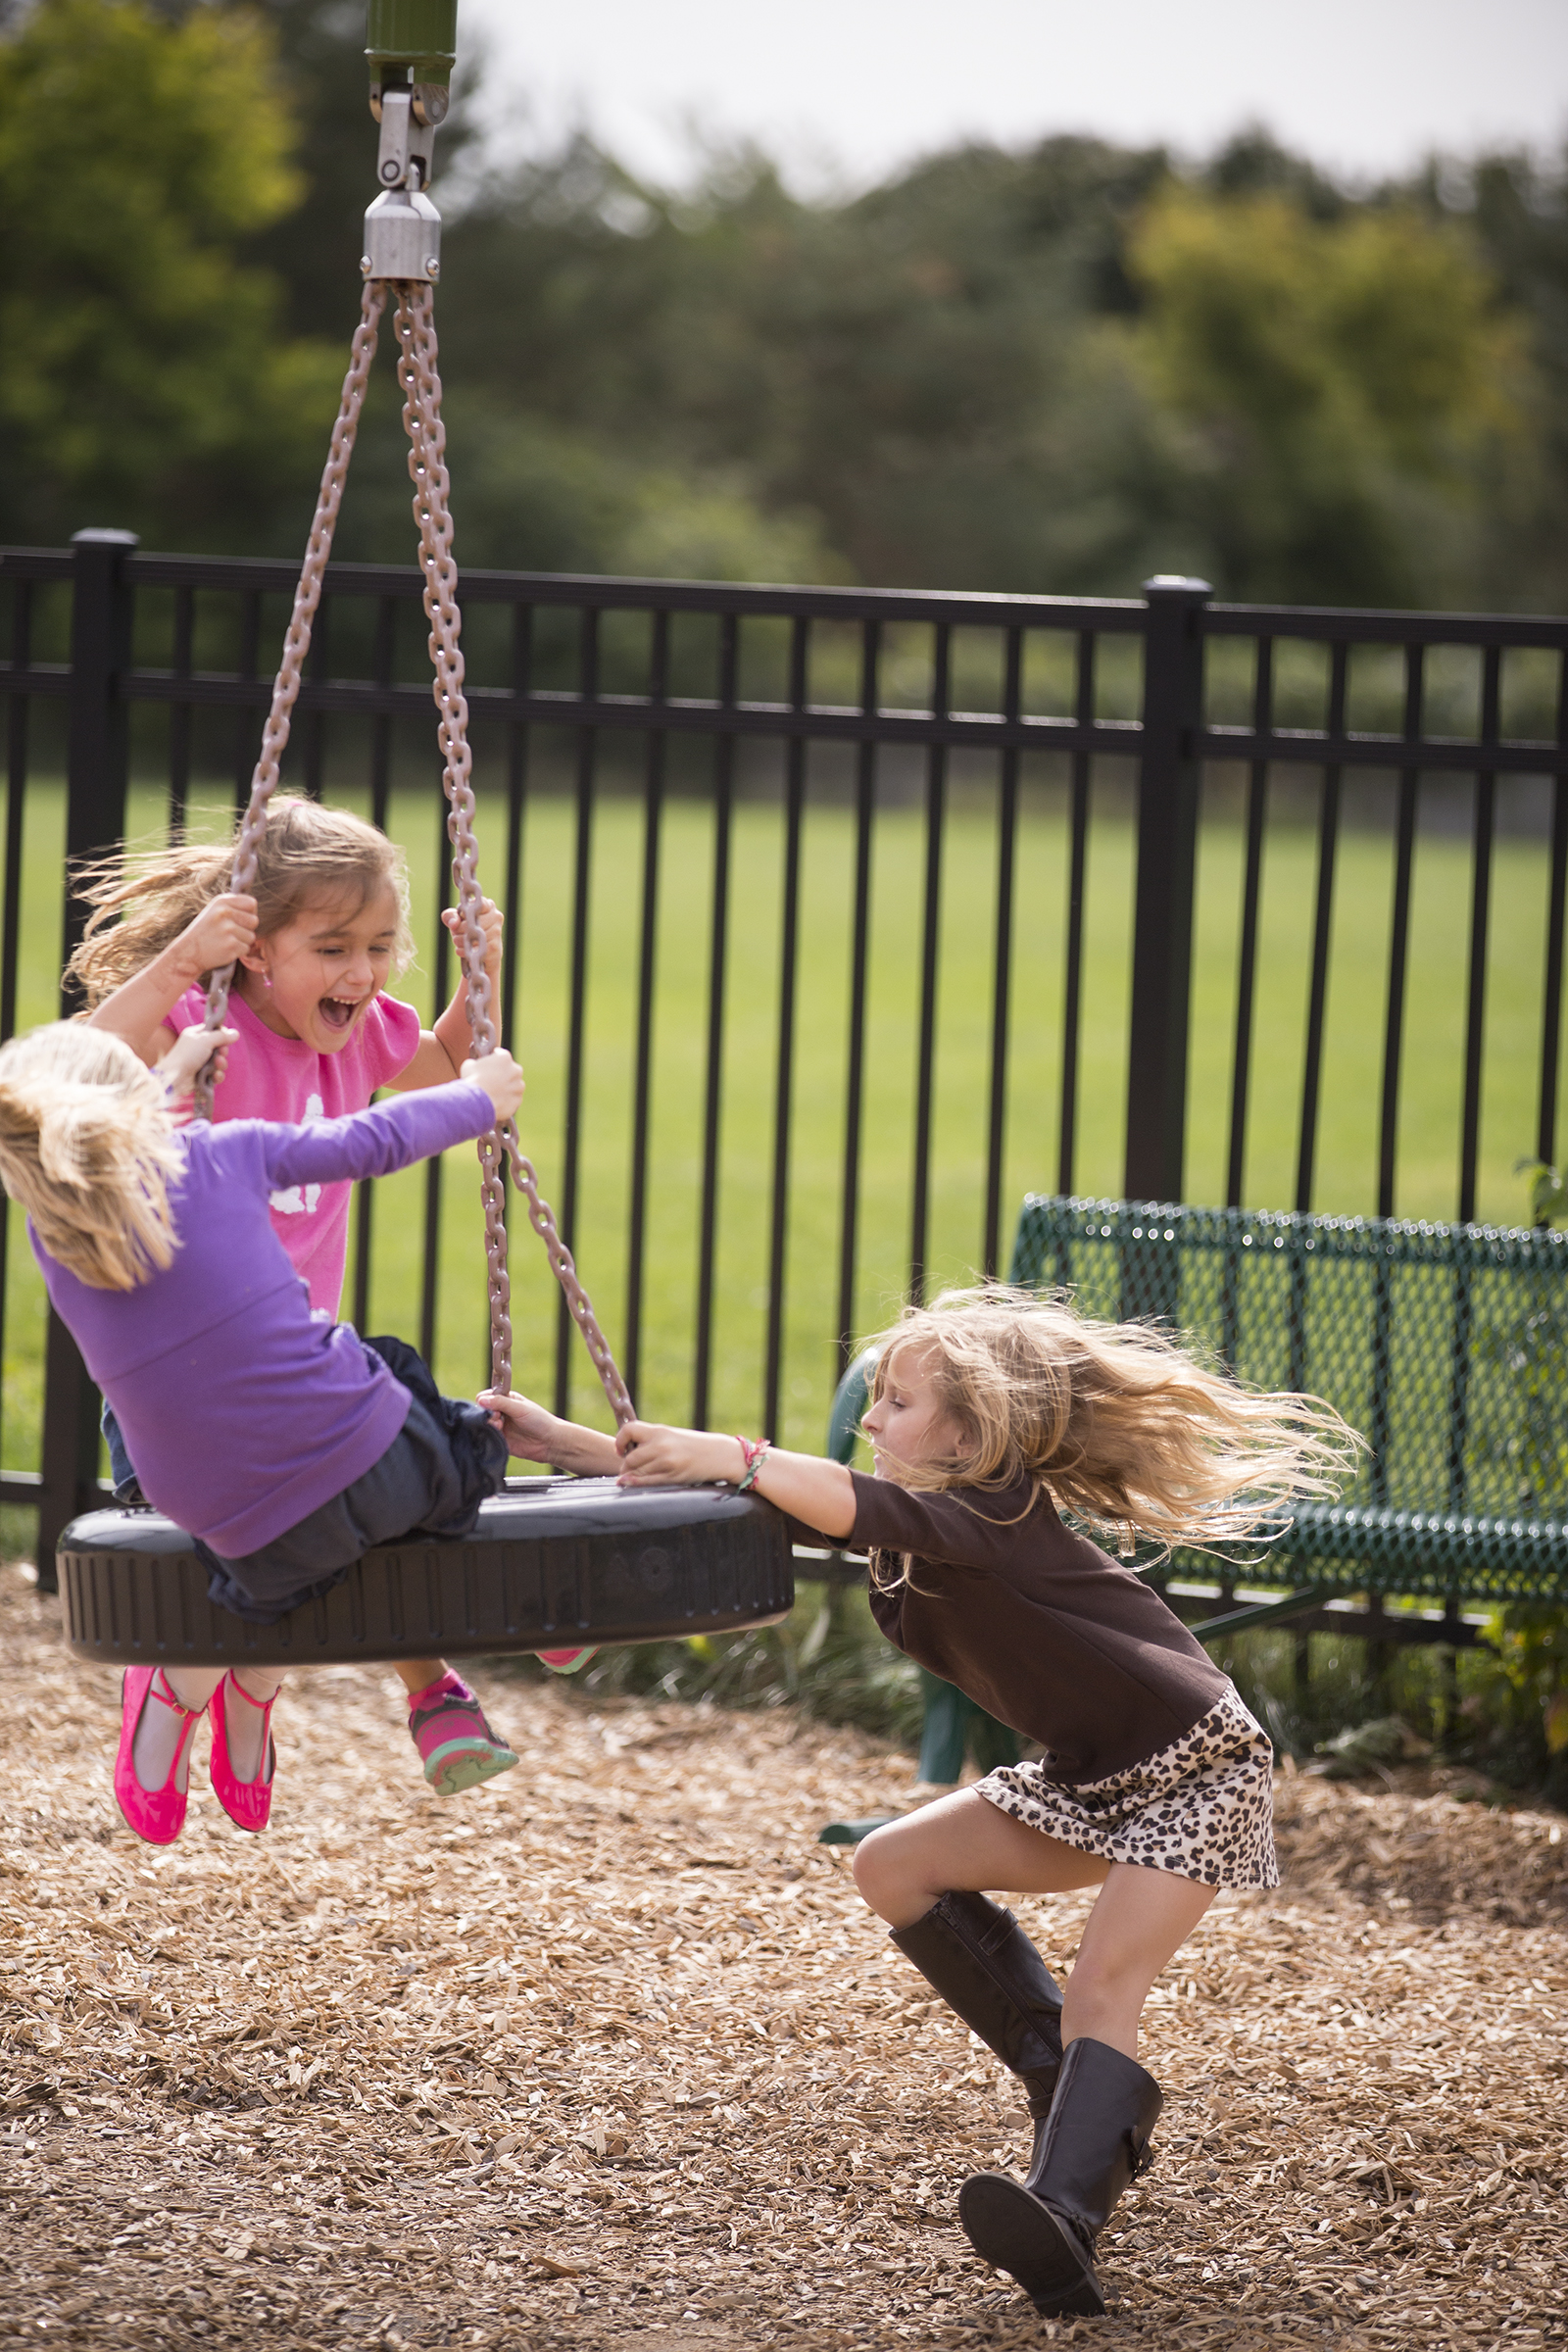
[313, 946]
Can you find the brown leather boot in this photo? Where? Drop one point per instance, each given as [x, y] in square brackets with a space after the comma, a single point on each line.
[975, 1954]
[1096, 2138]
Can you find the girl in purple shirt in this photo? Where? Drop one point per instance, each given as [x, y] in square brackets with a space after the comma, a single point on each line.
[314, 946]
[283, 1443]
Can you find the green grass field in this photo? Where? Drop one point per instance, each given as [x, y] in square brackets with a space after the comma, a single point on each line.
[1430, 1114]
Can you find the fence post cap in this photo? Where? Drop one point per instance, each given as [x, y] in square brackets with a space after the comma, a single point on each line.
[102, 538]
[1177, 584]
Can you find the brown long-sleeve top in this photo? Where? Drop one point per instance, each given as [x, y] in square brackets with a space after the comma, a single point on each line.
[1034, 1623]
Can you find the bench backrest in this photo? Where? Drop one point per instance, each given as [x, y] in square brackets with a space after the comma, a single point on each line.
[1446, 1346]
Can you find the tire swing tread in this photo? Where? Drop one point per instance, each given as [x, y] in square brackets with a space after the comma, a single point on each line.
[552, 1562]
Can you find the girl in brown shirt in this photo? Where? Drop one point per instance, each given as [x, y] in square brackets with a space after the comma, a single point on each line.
[992, 1411]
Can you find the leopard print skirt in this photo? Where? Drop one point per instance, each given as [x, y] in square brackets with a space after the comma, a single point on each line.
[1201, 1808]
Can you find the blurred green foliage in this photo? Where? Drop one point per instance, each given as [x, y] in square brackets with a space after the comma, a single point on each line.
[1350, 384]
[145, 375]
[1052, 370]
[1548, 1192]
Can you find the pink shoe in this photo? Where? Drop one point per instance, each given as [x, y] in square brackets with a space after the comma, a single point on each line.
[565, 1662]
[246, 1803]
[447, 1724]
[156, 1814]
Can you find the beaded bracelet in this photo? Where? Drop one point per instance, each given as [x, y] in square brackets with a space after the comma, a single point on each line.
[755, 1452]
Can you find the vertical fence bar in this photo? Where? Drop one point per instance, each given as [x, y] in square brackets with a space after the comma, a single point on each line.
[1162, 922]
[577, 1029]
[17, 732]
[860, 947]
[519, 744]
[1399, 935]
[1486, 821]
[98, 739]
[1378, 1420]
[314, 728]
[248, 728]
[647, 979]
[778, 1236]
[97, 774]
[179, 714]
[431, 1268]
[1556, 896]
[936, 794]
[1001, 985]
[1252, 890]
[1077, 868]
[712, 1096]
[1328, 844]
[382, 657]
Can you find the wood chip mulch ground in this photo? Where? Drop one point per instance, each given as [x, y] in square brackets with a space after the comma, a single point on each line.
[610, 2053]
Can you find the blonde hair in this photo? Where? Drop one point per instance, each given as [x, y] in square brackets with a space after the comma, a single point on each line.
[143, 899]
[1128, 1430]
[88, 1145]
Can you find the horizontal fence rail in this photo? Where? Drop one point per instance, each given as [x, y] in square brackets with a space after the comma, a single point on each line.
[838, 918]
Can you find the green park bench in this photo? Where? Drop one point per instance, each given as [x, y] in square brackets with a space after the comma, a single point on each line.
[1446, 1346]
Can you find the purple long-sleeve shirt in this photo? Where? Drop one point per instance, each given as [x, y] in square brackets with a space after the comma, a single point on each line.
[241, 1414]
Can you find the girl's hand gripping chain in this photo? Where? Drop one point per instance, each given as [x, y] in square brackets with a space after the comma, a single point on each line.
[222, 932]
[535, 1435]
[188, 1055]
[492, 923]
[452, 1030]
[502, 1079]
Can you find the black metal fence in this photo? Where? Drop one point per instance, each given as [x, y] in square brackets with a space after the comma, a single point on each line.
[1169, 731]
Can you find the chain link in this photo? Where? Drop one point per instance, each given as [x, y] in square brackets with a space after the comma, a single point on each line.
[414, 328]
[296, 643]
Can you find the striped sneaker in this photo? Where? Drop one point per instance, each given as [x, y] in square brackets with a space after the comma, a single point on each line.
[567, 1661]
[456, 1744]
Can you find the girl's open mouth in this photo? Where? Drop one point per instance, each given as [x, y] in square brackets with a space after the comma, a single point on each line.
[339, 1012]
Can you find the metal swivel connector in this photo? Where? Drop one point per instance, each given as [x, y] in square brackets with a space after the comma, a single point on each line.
[403, 228]
[411, 46]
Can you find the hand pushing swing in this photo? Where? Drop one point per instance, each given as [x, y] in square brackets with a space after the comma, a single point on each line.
[552, 1559]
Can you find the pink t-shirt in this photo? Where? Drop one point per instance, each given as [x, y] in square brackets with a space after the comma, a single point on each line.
[285, 1080]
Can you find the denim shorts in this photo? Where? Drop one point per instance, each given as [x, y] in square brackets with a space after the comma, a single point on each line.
[431, 1480]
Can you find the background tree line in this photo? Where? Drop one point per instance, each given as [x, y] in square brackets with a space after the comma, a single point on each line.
[1054, 369]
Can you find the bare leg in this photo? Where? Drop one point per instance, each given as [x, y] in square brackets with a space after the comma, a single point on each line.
[1139, 1920]
[158, 1732]
[245, 1723]
[961, 1841]
[418, 1674]
[1142, 1917]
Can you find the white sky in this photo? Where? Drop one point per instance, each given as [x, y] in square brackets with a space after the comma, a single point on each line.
[845, 90]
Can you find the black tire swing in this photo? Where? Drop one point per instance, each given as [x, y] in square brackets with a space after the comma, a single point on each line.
[554, 1562]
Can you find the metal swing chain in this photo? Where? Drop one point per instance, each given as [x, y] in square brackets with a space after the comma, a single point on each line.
[414, 328]
[422, 416]
[295, 644]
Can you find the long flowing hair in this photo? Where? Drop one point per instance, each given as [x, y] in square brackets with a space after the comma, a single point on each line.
[1133, 1433]
[143, 897]
[90, 1147]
